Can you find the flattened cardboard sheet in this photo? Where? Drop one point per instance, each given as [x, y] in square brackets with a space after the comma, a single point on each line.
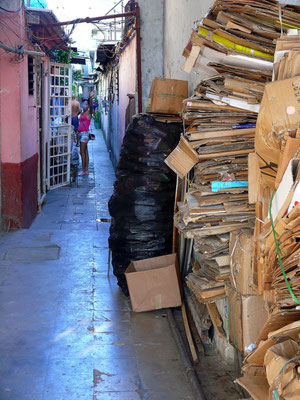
[182, 159]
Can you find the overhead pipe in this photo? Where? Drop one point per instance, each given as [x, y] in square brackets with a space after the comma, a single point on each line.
[88, 19]
[138, 57]
[21, 50]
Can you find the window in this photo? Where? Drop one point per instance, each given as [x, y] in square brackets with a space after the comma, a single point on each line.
[30, 75]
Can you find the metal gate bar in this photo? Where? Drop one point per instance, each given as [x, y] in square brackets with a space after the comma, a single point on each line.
[59, 154]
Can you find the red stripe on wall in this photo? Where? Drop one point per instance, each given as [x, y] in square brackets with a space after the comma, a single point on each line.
[19, 193]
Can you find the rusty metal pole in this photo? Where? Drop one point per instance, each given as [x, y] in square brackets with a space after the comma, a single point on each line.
[139, 57]
[88, 20]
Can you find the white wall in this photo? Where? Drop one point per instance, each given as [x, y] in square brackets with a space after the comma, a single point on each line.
[180, 16]
[152, 40]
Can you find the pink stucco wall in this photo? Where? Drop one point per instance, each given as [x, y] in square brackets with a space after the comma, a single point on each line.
[113, 121]
[18, 120]
[10, 109]
[18, 129]
[127, 82]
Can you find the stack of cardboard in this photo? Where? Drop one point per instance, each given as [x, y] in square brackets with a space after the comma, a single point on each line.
[219, 124]
[229, 186]
[277, 145]
[238, 28]
[272, 369]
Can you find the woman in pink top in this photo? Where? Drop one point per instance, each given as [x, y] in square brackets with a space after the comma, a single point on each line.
[83, 133]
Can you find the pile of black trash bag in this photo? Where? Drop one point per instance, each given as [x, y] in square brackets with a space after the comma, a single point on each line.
[142, 204]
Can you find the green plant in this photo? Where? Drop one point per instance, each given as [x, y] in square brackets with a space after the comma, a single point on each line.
[96, 117]
[74, 89]
[76, 75]
[64, 56]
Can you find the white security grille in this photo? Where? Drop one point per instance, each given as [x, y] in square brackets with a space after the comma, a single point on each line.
[59, 143]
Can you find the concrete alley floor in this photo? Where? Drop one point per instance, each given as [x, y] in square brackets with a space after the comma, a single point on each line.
[67, 332]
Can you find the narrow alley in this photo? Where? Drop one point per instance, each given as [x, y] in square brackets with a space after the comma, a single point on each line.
[149, 200]
[67, 331]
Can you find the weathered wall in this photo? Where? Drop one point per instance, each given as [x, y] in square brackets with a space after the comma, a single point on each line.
[180, 16]
[18, 128]
[152, 41]
[165, 30]
[127, 85]
[113, 123]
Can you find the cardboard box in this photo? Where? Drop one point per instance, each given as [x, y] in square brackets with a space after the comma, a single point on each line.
[279, 113]
[288, 190]
[166, 96]
[289, 151]
[240, 250]
[153, 283]
[282, 370]
[247, 314]
[256, 386]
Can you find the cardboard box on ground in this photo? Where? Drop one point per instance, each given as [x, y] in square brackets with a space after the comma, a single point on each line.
[154, 283]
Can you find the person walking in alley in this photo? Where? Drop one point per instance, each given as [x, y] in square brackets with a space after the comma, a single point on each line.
[75, 121]
[83, 133]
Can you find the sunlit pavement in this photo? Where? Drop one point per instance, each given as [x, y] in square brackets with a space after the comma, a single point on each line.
[67, 331]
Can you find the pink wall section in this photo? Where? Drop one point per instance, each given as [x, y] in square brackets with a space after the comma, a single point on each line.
[18, 129]
[113, 122]
[127, 82]
[28, 117]
[10, 83]
[18, 115]
[10, 109]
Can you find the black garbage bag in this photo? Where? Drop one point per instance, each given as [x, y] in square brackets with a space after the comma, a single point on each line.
[142, 203]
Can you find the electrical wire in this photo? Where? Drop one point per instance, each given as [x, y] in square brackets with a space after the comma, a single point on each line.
[2, 9]
[105, 48]
[113, 7]
[2, 27]
[5, 26]
[10, 29]
[14, 22]
[13, 11]
[278, 254]
[65, 39]
[41, 4]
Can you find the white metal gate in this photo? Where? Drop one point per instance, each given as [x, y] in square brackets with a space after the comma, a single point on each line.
[59, 141]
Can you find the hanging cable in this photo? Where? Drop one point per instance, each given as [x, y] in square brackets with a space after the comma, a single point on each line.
[41, 4]
[279, 255]
[13, 11]
[64, 40]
